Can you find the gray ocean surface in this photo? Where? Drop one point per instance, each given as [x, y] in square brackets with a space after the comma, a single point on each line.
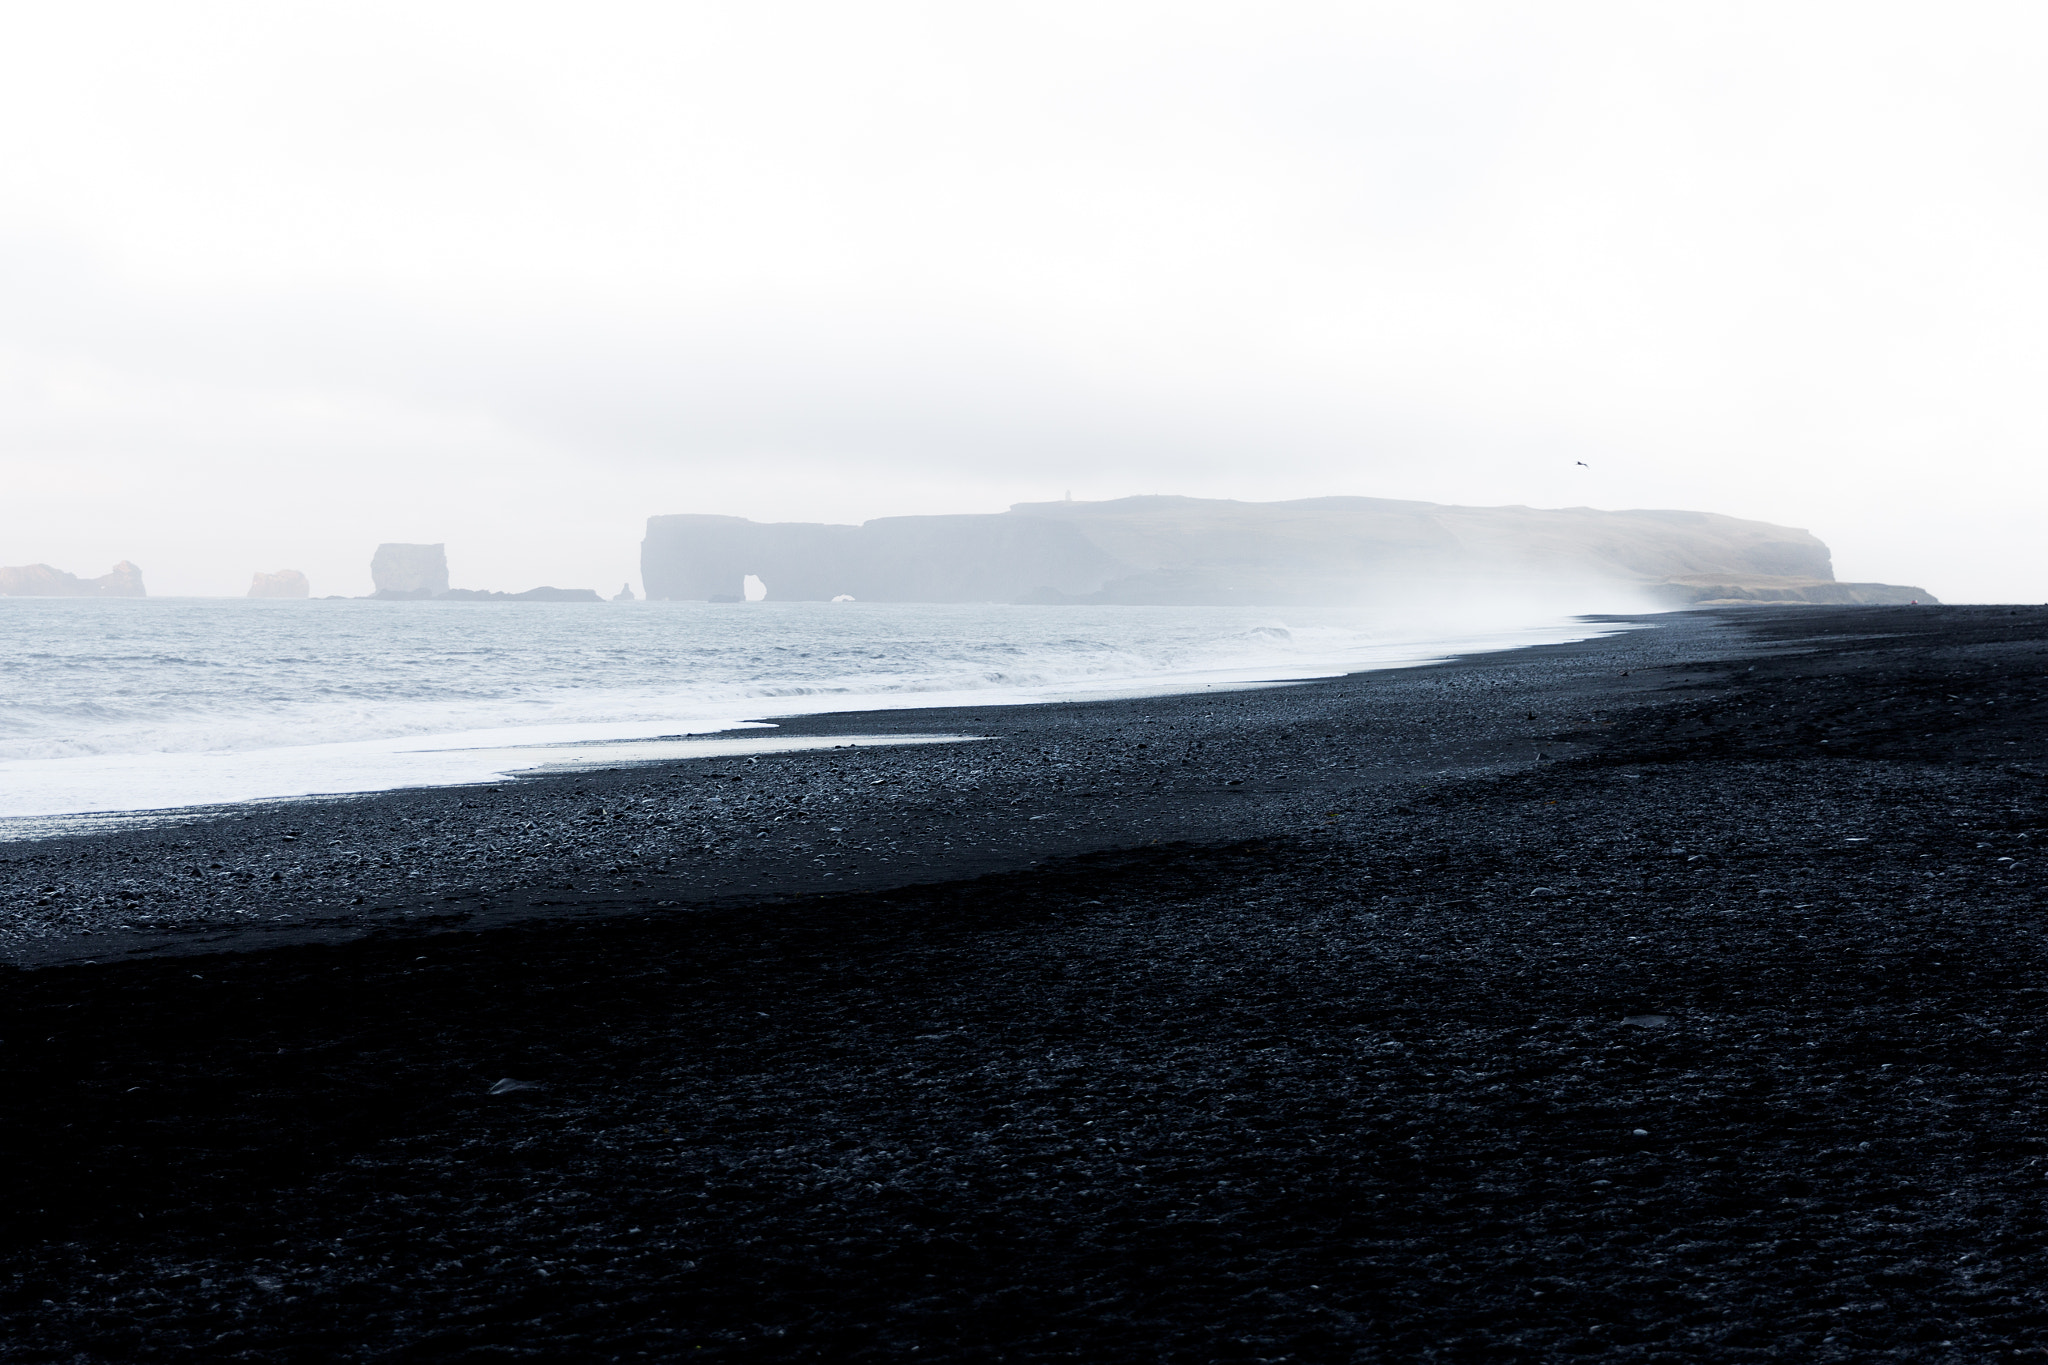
[163, 703]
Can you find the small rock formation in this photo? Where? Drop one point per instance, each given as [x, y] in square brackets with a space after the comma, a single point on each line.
[530, 595]
[123, 580]
[283, 583]
[409, 572]
[625, 593]
[419, 573]
[40, 580]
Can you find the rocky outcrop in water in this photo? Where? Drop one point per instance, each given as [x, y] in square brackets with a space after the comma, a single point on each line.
[40, 580]
[530, 595]
[1171, 550]
[283, 583]
[419, 573]
[409, 572]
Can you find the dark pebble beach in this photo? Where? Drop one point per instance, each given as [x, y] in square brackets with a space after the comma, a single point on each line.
[1675, 995]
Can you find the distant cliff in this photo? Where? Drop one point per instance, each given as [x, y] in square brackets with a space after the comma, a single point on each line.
[283, 583]
[895, 559]
[1171, 550]
[40, 580]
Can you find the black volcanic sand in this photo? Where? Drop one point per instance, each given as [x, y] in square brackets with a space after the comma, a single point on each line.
[1025, 785]
[1714, 1036]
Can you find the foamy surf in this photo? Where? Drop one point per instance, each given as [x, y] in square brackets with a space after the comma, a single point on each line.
[155, 705]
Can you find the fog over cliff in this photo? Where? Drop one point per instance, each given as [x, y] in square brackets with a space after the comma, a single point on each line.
[279, 284]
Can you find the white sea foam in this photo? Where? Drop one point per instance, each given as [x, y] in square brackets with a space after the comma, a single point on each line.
[126, 705]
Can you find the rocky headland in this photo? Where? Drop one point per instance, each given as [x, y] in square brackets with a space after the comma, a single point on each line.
[41, 580]
[1724, 590]
[1320, 551]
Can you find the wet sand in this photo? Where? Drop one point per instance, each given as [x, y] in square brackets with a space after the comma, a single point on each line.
[1319, 1022]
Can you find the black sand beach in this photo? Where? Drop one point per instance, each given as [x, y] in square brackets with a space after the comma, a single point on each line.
[1318, 1023]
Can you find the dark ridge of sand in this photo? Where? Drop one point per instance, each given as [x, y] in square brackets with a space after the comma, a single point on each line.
[1715, 1037]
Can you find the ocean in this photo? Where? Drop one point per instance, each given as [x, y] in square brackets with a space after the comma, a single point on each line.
[160, 704]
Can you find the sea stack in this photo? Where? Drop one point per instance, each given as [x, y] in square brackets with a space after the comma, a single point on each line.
[283, 583]
[409, 573]
[40, 580]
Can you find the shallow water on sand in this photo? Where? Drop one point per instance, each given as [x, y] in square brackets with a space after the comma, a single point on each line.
[123, 705]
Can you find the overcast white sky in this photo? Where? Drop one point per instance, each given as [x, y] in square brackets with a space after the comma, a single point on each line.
[279, 282]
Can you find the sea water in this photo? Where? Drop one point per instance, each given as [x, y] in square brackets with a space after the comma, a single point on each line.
[162, 703]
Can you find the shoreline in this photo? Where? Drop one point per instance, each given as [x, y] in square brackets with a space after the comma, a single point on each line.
[534, 843]
[46, 794]
[1716, 1034]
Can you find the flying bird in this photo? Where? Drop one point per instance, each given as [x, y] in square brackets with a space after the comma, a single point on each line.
[1582, 464]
